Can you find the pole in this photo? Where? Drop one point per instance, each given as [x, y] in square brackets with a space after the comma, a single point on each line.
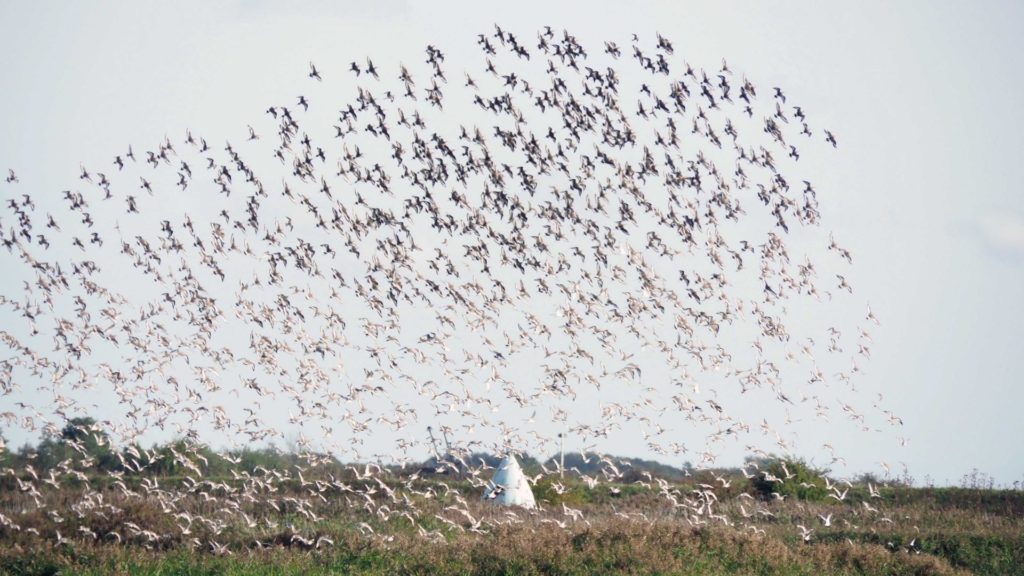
[448, 453]
[561, 455]
[433, 442]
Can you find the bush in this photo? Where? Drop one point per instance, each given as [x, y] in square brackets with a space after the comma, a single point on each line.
[790, 478]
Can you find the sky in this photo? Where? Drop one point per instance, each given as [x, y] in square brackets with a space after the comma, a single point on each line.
[923, 97]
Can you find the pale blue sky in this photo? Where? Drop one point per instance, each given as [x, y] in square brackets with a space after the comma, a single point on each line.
[923, 96]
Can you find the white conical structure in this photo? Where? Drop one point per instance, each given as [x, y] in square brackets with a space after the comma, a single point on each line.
[509, 486]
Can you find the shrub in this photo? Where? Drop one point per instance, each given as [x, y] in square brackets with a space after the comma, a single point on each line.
[790, 478]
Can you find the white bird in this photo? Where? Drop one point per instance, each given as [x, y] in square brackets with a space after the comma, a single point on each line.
[840, 496]
[805, 532]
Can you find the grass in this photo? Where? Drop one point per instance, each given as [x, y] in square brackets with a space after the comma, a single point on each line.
[615, 547]
[917, 531]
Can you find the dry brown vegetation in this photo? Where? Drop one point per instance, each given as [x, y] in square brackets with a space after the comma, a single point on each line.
[915, 531]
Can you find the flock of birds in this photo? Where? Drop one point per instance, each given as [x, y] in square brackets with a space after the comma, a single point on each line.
[561, 240]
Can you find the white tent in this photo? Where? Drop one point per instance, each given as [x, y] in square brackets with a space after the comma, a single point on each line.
[509, 486]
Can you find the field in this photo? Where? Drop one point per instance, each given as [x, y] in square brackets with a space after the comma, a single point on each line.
[624, 528]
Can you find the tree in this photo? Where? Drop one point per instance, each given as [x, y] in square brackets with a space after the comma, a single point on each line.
[789, 477]
[81, 441]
